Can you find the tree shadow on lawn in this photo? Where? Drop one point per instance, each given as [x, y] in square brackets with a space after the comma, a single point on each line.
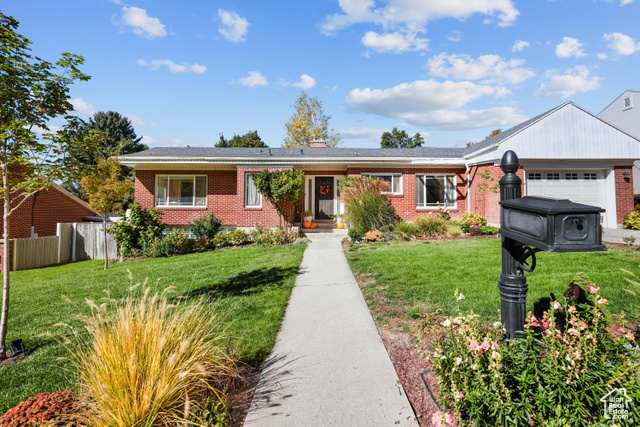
[246, 282]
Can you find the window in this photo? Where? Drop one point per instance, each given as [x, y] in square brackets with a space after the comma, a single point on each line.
[252, 199]
[434, 190]
[535, 176]
[571, 176]
[181, 190]
[626, 103]
[591, 176]
[395, 179]
[553, 177]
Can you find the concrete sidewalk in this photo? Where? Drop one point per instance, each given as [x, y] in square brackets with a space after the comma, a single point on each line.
[615, 235]
[329, 366]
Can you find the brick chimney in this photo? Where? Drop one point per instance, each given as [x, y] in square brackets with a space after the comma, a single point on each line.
[318, 143]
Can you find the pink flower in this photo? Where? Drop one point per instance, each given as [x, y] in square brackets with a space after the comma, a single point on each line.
[621, 330]
[534, 321]
[603, 301]
[545, 323]
[467, 328]
[592, 289]
[583, 325]
[495, 345]
[461, 296]
[557, 305]
[442, 419]
[630, 336]
[473, 345]
[496, 355]
[573, 309]
[572, 331]
[459, 395]
[485, 345]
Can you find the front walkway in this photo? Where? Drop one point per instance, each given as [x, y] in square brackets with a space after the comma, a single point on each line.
[329, 366]
[615, 235]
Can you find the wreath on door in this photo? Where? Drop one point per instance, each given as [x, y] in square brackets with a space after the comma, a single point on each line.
[324, 190]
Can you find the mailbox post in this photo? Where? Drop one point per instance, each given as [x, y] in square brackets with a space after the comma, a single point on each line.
[532, 224]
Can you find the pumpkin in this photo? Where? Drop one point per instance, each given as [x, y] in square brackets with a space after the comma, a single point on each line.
[340, 225]
[314, 225]
[307, 224]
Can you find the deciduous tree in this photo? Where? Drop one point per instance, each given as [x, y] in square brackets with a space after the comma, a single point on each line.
[32, 92]
[249, 139]
[105, 190]
[400, 139]
[309, 123]
[283, 189]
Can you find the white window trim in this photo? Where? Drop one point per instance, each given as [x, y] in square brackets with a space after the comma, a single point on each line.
[206, 191]
[377, 175]
[435, 207]
[259, 206]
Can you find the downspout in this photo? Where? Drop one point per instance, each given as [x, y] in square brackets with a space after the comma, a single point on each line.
[466, 165]
[33, 209]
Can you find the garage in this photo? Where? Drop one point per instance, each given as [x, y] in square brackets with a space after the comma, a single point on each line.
[580, 186]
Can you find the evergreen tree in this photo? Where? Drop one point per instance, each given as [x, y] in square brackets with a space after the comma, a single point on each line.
[400, 139]
[249, 139]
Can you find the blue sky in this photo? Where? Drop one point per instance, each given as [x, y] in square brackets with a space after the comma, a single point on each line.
[453, 70]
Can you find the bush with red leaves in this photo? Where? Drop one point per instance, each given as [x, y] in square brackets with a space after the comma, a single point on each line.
[44, 408]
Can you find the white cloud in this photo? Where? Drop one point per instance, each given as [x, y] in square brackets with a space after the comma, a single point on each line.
[602, 56]
[455, 36]
[138, 121]
[430, 103]
[234, 27]
[363, 132]
[41, 131]
[625, 2]
[394, 42]
[255, 78]
[306, 82]
[622, 44]
[570, 47]
[573, 81]
[486, 68]
[155, 64]
[519, 46]
[141, 23]
[414, 14]
[81, 108]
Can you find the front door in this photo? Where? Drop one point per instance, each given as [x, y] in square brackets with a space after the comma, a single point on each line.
[324, 197]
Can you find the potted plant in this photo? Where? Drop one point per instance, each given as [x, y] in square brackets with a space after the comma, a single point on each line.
[308, 216]
[339, 218]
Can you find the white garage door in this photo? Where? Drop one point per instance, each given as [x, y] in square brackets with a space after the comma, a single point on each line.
[587, 186]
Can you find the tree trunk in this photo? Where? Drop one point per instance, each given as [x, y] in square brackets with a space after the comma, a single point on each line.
[5, 266]
[104, 229]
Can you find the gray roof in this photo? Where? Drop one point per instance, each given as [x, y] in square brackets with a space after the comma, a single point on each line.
[212, 152]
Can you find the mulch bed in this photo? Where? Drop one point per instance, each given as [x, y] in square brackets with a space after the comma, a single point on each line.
[11, 360]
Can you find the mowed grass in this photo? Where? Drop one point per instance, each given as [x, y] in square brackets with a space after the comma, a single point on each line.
[251, 285]
[428, 273]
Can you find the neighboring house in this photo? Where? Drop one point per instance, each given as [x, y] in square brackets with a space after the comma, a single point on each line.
[624, 113]
[565, 152]
[42, 211]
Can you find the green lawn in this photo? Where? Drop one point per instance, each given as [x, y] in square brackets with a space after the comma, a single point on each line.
[429, 272]
[251, 284]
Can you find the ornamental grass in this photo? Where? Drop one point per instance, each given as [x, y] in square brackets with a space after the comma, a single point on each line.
[367, 206]
[148, 362]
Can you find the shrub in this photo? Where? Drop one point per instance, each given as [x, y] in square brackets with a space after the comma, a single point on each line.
[488, 230]
[231, 238]
[556, 374]
[373, 236]
[632, 220]
[470, 219]
[443, 212]
[366, 207]
[405, 230]
[474, 230]
[205, 226]
[266, 237]
[431, 225]
[177, 242]
[136, 231]
[43, 409]
[147, 348]
[355, 235]
[454, 230]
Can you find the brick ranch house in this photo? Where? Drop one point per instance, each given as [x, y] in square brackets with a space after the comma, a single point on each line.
[565, 152]
[40, 214]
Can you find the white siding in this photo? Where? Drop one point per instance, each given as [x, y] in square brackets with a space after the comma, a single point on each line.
[568, 133]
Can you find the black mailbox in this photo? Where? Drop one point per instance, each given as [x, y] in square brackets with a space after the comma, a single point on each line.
[552, 225]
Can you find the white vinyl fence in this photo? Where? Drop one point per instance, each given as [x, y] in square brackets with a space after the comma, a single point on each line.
[73, 242]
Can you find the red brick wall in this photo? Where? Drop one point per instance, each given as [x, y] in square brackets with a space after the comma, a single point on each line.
[624, 192]
[50, 208]
[225, 199]
[404, 203]
[486, 202]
